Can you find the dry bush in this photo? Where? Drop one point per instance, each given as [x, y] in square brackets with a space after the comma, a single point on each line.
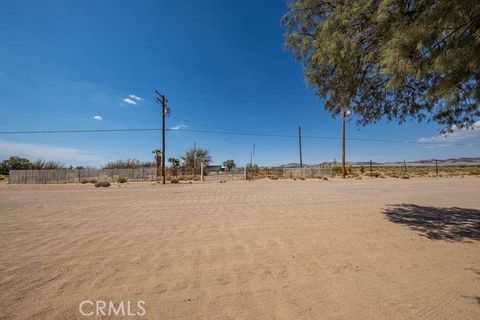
[122, 180]
[102, 184]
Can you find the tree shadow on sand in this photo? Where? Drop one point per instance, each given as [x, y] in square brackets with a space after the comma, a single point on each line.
[450, 224]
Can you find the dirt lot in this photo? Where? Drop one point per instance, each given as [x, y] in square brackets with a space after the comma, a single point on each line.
[355, 249]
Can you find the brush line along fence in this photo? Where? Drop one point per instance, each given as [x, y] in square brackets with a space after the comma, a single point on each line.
[60, 176]
[150, 174]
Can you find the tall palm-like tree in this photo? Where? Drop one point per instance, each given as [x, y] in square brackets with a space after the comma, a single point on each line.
[157, 155]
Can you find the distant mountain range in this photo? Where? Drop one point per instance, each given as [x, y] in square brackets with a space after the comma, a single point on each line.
[452, 161]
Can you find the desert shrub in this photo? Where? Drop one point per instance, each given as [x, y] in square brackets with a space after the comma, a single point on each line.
[2, 178]
[102, 184]
[405, 177]
[362, 170]
[337, 170]
[273, 177]
[301, 178]
[174, 181]
[376, 174]
[83, 181]
[325, 178]
[122, 180]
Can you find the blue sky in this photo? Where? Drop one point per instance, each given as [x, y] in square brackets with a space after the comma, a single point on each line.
[221, 64]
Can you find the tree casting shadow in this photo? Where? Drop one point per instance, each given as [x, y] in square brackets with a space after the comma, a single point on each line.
[451, 224]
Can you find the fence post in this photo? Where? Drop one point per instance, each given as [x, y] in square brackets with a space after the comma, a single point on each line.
[436, 167]
[201, 171]
[371, 173]
[405, 165]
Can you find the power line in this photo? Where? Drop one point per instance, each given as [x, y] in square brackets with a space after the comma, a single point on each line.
[246, 133]
[316, 137]
[80, 131]
[229, 129]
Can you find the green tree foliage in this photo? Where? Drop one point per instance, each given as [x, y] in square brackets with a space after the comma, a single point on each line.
[14, 163]
[398, 59]
[229, 164]
[195, 156]
[18, 163]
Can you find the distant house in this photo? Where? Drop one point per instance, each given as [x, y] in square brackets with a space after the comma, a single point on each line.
[214, 168]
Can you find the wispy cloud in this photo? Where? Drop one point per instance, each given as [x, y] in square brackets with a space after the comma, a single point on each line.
[179, 127]
[457, 134]
[134, 97]
[97, 117]
[49, 152]
[129, 101]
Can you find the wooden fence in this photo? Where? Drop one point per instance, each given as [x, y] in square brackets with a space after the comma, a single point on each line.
[307, 173]
[79, 175]
[288, 173]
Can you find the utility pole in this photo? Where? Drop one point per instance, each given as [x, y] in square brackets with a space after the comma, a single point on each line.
[343, 144]
[300, 145]
[162, 100]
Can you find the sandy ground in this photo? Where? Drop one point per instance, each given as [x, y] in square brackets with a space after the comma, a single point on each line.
[369, 249]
